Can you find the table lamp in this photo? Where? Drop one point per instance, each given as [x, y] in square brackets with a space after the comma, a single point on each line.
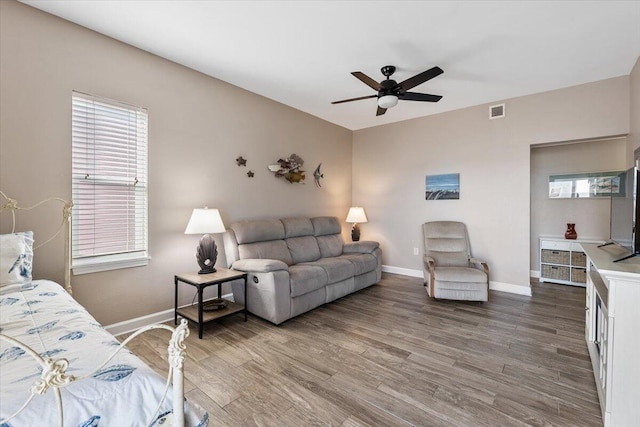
[205, 221]
[356, 215]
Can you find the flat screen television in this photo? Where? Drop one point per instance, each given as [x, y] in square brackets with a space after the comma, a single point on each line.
[624, 211]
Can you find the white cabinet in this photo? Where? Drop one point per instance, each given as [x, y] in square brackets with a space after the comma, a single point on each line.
[612, 331]
[563, 261]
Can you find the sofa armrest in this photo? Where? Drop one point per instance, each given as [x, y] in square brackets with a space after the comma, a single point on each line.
[362, 247]
[259, 265]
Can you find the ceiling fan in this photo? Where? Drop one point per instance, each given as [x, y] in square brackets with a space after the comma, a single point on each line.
[389, 91]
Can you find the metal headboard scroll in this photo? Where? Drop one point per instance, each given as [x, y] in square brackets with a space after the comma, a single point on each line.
[11, 205]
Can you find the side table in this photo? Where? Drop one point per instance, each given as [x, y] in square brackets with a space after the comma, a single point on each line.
[195, 312]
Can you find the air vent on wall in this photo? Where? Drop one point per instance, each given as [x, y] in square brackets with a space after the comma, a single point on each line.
[496, 111]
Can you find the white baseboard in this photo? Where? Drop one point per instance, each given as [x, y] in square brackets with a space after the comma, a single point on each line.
[535, 274]
[132, 325]
[402, 271]
[495, 286]
[510, 288]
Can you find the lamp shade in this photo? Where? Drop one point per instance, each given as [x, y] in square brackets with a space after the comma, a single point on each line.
[387, 101]
[205, 221]
[356, 215]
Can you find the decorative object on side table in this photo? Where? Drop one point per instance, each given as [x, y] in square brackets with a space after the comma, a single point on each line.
[250, 174]
[240, 161]
[214, 304]
[356, 215]
[205, 221]
[289, 169]
[571, 232]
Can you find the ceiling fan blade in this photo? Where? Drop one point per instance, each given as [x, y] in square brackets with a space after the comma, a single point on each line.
[355, 99]
[381, 111]
[366, 80]
[420, 78]
[413, 96]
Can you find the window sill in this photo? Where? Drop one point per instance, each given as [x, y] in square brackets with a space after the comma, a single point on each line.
[108, 262]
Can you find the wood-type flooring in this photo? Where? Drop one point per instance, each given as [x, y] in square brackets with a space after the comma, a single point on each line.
[390, 356]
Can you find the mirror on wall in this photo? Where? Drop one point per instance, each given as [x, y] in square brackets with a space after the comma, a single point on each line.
[585, 185]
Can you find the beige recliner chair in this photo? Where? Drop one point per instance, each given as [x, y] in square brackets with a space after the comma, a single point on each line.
[449, 270]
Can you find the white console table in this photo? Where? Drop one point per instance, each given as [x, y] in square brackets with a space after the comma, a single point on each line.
[612, 331]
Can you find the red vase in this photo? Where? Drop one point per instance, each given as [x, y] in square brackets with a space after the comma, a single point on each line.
[571, 232]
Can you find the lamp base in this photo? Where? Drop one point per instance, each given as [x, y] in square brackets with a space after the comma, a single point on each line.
[355, 232]
[206, 254]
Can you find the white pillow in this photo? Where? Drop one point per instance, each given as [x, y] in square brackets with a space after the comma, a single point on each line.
[16, 258]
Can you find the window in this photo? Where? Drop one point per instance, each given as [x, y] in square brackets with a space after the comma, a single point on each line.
[109, 184]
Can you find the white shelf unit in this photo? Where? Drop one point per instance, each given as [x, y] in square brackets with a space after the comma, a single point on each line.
[612, 330]
[563, 261]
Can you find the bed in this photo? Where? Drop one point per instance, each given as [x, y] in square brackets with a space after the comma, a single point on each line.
[60, 367]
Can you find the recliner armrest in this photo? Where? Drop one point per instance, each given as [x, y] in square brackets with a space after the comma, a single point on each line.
[481, 263]
[361, 247]
[259, 265]
[429, 262]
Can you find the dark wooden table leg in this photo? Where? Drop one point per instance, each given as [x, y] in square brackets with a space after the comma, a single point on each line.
[175, 309]
[246, 304]
[200, 309]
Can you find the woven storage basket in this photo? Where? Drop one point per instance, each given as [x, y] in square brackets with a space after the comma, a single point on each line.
[555, 257]
[579, 275]
[555, 272]
[578, 259]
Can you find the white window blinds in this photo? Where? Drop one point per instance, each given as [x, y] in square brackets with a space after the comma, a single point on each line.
[109, 188]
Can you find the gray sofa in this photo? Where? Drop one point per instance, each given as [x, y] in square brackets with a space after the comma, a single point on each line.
[297, 264]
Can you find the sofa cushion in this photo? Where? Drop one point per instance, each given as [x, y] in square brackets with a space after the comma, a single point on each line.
[306, 278]
[331, 245]
[259, 230]
[303, 249]
[296, 227]
[274, 249]
[363, 263]
[337, 269]
[324, 225]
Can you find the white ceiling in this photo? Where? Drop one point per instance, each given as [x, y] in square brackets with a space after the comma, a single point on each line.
[301, 53]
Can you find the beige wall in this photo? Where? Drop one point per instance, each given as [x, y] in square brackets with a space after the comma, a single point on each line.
[197, 127]
[492, 157]
[591, 216]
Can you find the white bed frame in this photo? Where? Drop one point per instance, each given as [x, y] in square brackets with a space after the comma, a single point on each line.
[54, 374]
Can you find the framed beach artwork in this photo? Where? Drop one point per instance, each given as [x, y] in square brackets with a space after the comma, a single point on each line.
[442, 187]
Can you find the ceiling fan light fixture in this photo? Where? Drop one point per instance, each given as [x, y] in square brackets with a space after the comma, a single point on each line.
[387, 101]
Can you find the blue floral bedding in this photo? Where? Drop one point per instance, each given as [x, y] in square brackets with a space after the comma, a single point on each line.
[125, 392]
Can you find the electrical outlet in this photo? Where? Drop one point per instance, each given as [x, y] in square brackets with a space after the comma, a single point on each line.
[416, 251]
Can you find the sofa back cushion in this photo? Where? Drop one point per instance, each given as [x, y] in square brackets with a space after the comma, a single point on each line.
[296, 227]
[273, 249]
[258, 230]
[327, 230]
[303, 249]
[325, 225]
[330, 246]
